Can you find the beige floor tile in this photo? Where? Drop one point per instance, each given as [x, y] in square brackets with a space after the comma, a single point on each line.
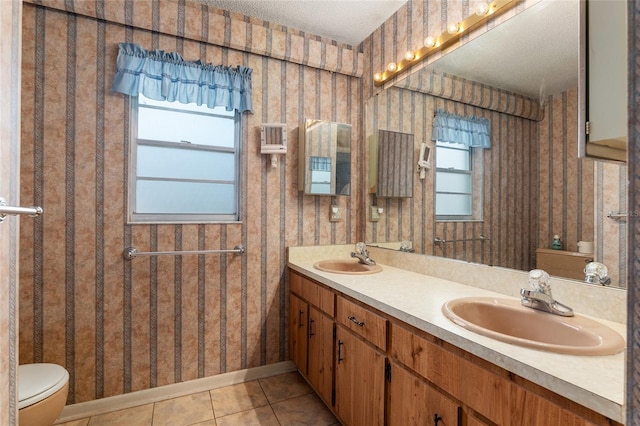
[284, 386]
[261, 416]
[236, 398]
[79, 422]
[185, 410]
[136, 416]
[307, 410]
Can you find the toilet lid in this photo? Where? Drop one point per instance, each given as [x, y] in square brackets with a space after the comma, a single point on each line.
[39, 381]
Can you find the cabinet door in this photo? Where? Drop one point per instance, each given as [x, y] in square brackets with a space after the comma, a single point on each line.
[359, 381]
[321, 353]
[298, 330]
[411, 401]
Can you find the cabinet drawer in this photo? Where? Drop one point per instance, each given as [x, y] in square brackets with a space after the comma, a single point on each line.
[313, 293]
[363, 322]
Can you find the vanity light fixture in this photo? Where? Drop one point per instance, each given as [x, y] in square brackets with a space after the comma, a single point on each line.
[483, 12]
[453, 28]
[273, 140]
[429, 42]
[482, 8]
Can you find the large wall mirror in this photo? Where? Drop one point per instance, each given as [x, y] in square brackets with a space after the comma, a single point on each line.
[603, 79]
[521, 75]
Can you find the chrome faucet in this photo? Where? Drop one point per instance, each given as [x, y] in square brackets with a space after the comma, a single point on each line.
[596, 273]
[539, 296]
[362, 254]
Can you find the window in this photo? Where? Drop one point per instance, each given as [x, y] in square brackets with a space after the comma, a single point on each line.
[184, 162]
[456, 182]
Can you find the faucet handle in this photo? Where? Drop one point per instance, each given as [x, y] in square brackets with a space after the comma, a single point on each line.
[539, 280]
[361, 248]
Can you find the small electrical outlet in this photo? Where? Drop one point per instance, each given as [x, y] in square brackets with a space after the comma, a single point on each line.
[335, 214]
[374, 214]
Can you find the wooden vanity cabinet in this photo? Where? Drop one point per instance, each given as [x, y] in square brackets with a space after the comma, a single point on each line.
[483, 389]
[361, 339]
[311, 327]
[320, 353]
[378, 370]
[412, 401]
[298, 332]
[360, 381]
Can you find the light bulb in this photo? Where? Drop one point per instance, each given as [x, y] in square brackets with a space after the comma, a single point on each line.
[453, 28]
[409, 55]
[482, 8]
[392, 66]
[429, 42]
[377, 77]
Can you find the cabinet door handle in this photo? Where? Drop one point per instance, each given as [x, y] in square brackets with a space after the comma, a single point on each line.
[300, 325]
[340, 359]
[355, 320]
[311, 333]
[436, 419]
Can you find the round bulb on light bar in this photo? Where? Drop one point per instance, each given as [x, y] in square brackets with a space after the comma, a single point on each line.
[482, 8]
[409, 55]
[392, 66]
[453, 28]
[377, 77]
[429, 42]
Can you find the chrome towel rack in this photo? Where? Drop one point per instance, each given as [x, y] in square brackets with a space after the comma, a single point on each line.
[442, 241]
[619, 216]
[6, 209]
[131, 252]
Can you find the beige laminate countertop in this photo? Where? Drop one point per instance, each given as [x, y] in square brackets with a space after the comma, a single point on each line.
[596, 382]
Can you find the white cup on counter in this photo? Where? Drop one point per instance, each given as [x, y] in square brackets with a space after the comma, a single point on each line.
[585, 246]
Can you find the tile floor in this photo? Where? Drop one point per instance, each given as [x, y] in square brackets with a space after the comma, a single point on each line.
[283, 400]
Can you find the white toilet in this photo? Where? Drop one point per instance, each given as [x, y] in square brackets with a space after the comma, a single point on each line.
[42, 393]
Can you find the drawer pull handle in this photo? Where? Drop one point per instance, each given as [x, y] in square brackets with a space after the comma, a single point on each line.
[436, 419]
[355, 320]
[300, 324]
[340, 359]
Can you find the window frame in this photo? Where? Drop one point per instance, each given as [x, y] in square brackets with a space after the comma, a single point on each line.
[475, 173]
[180, 218]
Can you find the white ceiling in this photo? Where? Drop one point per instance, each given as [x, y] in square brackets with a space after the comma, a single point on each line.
[346, 21]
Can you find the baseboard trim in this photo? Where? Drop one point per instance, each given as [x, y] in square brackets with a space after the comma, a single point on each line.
[148, 396]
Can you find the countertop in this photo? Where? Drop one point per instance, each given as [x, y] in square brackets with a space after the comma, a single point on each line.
[596, 382]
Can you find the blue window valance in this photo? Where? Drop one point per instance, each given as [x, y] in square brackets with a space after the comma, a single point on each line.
[167, 77]
[471, 131]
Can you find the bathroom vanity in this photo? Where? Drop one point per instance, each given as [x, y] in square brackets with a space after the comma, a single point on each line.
[378, 350]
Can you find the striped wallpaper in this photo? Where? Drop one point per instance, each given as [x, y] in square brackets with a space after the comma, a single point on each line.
[120, 326]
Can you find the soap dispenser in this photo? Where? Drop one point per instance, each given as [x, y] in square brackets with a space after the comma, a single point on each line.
[556, 244]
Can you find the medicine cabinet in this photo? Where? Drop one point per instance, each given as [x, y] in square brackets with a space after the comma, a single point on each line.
[324, 162]
[603, 90]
